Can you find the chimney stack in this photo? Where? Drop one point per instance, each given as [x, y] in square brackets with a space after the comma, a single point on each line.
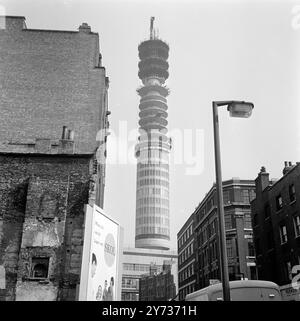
[65, 133]
[287, 167]
[85, 28]
[71, 134]
[262, 180]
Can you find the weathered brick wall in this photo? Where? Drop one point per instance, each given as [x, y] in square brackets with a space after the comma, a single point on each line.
[49, 79]
[42, 214]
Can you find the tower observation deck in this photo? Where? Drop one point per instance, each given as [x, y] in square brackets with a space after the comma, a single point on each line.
[153, 147]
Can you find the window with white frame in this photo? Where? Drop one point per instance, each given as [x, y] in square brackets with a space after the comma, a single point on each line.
[283, 233]
[296, 220]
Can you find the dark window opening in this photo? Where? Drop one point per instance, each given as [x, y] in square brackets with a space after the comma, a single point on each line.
[253, 274]
[40, 267]
[251, 250]
[270, 239]
[278, 202]
[292, 192]
[257, 246]
[255, 219]
[267, 210]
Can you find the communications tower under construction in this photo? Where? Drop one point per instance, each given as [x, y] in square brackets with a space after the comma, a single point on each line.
[153, 147]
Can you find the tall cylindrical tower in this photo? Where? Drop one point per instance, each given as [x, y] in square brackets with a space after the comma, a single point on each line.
[153, 148]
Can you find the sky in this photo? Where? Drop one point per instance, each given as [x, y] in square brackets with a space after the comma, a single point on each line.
[219, 50]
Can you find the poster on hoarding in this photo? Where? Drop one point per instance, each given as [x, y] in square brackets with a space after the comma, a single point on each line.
[101, 259]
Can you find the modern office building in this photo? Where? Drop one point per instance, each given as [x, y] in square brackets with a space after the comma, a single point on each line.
[140, 262]
[158, 286]
[276, 225]
[53, 103]
[240, 249]
[186, 258]
[153, 147]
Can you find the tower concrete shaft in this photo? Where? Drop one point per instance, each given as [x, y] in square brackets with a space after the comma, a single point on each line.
[153, 147]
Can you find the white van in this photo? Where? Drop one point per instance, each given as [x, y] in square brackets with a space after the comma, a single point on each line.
[244, 290]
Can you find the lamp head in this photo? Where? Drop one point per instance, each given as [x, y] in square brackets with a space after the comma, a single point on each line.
[240, 109]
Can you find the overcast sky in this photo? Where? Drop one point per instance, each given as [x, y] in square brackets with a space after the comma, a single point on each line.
[219, 50]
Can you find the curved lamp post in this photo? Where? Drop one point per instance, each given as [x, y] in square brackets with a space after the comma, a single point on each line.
[236, 109]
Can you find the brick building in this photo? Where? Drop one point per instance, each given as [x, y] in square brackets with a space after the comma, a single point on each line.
[240, 249]
[186, 258]
[276, 224]
[158, 286]
[53, 103]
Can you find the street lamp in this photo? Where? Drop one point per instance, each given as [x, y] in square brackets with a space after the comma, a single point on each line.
[236, 109]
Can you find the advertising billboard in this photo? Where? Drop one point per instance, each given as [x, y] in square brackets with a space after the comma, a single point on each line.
[101, 267]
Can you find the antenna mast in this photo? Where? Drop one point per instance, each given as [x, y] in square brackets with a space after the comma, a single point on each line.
[151, 28]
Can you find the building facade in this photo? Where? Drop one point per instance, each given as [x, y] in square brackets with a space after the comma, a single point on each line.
[158, 286]
[240, 249]
[186, 259]
[153, 147]
[53, 128]
[276, 224]
[140, 262]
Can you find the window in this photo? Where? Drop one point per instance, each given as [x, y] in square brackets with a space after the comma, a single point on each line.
[208, 231]
[247, 221]
[228, 222]
[292, 192]
[204, 235]
[251, 251]
[267, 210]
[231, 272]
[212, 228]
[255, 219]
[39, 267]
[210, 204]
[296, 220]
[229, 247]
[278, 202]
[257, 246]
[245, 196]
[202, 214]
[226, 198]
[270, 239]
[287, 270]
[283, 234]
[252, 195]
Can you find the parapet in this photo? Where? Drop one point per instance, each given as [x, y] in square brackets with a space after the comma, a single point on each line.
[12, 23]
[47, 146]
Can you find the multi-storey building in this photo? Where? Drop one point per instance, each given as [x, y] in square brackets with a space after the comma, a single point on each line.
[139, 262]
[158, 286]
[153, 148]
[186, 259]
[53, 103]
[240, 249]
[276, 224]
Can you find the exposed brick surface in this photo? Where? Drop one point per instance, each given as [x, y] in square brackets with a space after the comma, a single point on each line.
[50, 79]
[42, 213]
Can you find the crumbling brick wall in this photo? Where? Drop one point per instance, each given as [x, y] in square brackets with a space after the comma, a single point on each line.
[41, 215]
